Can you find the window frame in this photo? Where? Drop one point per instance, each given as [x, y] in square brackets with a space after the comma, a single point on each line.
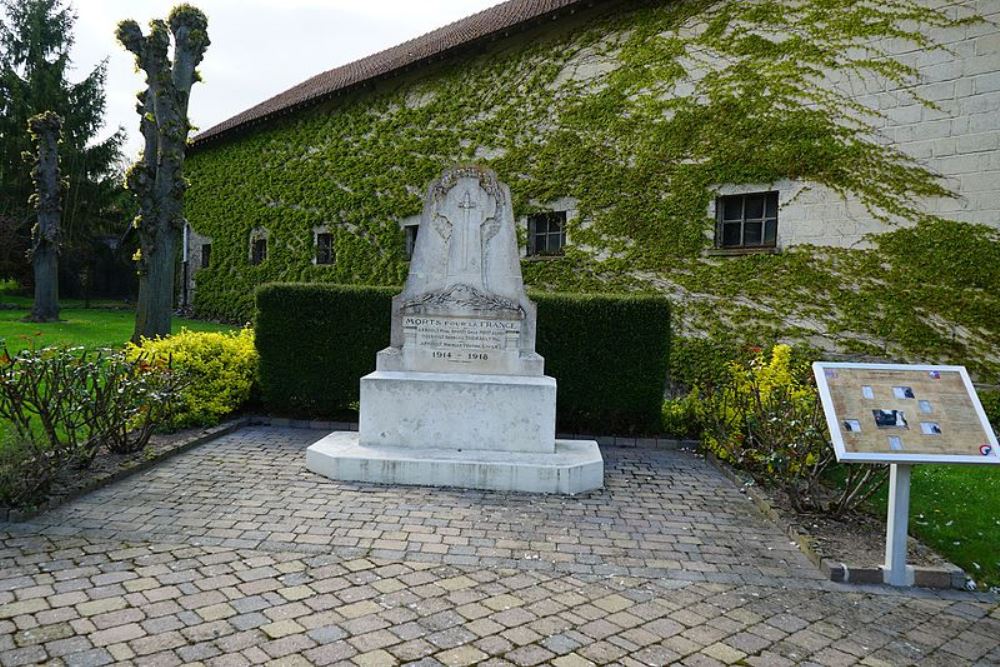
[771, 199]
[206, 256]
[548, 217]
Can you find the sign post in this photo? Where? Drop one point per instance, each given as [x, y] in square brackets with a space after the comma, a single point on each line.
[903, 415]
[895, 570]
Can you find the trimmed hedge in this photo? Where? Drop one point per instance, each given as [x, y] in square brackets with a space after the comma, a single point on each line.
[609, 353]
[315, 342]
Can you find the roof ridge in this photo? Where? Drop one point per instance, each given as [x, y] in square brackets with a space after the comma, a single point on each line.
[435, 43]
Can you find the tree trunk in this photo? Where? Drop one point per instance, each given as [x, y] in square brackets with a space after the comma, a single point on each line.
[155, 305]
[45, 262]
[44, 252]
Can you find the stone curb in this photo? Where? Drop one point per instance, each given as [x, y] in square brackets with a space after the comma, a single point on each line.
[602, 440]
[949, 576]
[127, 469]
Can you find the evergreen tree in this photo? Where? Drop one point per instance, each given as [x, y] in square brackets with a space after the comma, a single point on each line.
[35, 41]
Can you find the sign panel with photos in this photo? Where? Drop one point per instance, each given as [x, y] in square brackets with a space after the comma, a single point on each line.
[904, 414]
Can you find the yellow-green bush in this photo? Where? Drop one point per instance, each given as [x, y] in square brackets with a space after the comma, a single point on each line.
[221, 370]
[765, 418]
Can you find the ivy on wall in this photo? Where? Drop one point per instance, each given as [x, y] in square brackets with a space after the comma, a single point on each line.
[638, 115]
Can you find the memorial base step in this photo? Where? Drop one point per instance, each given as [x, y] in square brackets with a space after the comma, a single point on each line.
[576, 466]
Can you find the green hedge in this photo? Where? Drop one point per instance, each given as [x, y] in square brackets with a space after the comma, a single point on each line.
[609, 353]
[315, 341]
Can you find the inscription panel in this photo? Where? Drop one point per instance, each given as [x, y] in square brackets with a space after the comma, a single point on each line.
[461, 344]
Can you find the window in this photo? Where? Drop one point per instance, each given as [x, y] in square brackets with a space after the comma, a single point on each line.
[258, 251]
[206, 255]
[411, 239]
[547, 233]
[747, 221]
[324, 248]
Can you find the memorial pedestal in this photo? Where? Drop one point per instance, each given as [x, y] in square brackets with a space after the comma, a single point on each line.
[504, 413]
[456, 429]
[459, 398]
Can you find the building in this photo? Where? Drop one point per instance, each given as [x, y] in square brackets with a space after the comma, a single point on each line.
[789, 170]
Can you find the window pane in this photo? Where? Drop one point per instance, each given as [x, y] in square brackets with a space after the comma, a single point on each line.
[752, 233]
[731, 234]
[411, 240]
[206, 255]
[732, 208]
[538, 244]
[555, 241]
[754, 207]
[259, 251]
[772, 204]
[770, 232]
[324, 249]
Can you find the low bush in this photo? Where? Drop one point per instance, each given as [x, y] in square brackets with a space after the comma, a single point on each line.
[219, 371]
[680, 417]
[609, 353]
[990, 398]
[766, 418]
[27, 471]
[61, 406]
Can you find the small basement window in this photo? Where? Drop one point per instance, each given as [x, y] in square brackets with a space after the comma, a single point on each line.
[410, 239]
[747, 221]
[324, 248]
[258, 251]
[206, 255]
[547, 233]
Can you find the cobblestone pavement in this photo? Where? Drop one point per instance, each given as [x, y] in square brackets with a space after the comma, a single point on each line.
[233, 554]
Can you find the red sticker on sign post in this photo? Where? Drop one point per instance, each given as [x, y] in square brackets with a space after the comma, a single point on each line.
[985, 450]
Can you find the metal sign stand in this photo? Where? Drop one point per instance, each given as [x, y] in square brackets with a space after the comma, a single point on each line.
[895, 571]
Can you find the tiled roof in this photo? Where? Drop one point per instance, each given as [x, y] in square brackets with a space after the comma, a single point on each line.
[490, 23]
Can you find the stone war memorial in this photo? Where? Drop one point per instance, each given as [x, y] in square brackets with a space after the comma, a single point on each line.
[460, 398]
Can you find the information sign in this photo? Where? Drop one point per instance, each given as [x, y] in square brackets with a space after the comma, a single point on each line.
[904, 414]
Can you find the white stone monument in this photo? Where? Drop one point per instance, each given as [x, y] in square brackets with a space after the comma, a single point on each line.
[460, 397]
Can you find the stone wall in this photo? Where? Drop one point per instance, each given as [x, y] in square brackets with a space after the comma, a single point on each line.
[960, 140]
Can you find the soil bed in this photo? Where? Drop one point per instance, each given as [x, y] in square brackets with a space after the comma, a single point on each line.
[857, 540]
[109, 467]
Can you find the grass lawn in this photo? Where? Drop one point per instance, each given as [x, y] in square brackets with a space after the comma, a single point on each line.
[956, 510]
[89, 327]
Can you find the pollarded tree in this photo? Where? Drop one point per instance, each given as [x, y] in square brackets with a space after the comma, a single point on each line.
[45, 129]
[157, 178]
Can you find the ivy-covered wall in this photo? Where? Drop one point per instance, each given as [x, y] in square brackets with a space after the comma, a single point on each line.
[874, 121]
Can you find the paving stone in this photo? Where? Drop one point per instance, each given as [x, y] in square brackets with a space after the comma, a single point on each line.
[532, 654]
[28, 655]
[282, 629]
[92, 658]
[461, 656]
[121, 633]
